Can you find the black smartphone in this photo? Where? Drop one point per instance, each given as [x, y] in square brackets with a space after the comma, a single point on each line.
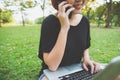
[70, 15]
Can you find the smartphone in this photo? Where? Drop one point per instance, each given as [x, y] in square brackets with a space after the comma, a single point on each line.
[70, 15]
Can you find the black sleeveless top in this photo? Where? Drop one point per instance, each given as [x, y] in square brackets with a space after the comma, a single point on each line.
[78, 40]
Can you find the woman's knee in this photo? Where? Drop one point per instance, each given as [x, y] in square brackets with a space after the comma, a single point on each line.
[44, 78]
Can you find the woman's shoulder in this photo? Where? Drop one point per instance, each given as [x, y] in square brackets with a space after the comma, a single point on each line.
[51, 22]
[85, 18]
[50, 18]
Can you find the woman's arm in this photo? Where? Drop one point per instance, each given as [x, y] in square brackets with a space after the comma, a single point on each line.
[54, 57]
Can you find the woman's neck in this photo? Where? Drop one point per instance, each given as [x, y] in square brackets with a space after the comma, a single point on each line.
[75, 19]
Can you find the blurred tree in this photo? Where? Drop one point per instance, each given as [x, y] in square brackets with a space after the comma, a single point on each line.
[109, 15]
[88, 9]
[43, 5]
[100, 14]
[25, 5]
[39, 20]
[21, 5]
[6, 16]
[116, 13]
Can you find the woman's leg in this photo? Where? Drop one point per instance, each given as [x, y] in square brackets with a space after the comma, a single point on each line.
[43, 77]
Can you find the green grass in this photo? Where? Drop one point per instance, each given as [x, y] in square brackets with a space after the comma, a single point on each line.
[18, 53]
[105, 44]
[19, 46]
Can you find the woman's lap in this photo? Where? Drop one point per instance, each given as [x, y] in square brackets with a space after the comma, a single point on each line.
[41, 76]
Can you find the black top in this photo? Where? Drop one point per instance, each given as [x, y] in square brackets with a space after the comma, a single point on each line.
[78, 40]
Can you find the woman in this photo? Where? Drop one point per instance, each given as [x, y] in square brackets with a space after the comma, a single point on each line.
[65, 37]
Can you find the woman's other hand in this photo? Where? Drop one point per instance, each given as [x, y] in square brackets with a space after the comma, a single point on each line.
[93, 66]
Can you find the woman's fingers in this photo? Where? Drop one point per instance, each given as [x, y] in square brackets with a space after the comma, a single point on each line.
[97, 67]
[63, 6]
[89, 66]
[85, 67]
[62, 3]
[92, 68]
[69, 10]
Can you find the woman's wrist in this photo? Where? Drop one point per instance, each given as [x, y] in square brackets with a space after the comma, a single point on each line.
[86, 59]
[86, 56]
[64, 29]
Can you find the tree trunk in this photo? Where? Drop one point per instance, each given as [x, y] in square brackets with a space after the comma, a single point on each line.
[22, 16]
[99, 22]
[100, 17]
[43, 9]
[108, 19]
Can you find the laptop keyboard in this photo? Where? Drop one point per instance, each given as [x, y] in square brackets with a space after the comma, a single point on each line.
[80, 75]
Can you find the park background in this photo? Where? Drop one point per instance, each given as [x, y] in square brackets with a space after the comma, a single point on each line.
[20, 26]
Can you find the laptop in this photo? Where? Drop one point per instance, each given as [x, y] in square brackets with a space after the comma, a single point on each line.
[76, 72]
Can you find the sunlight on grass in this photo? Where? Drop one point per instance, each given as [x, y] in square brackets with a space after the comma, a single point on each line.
[19, 46]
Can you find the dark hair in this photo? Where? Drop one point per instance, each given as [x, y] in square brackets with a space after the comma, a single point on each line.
[56, 2]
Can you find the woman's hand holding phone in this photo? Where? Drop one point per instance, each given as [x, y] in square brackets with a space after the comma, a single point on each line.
[63, 14]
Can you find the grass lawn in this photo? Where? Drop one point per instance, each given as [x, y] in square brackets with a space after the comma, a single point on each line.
[19, 46]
